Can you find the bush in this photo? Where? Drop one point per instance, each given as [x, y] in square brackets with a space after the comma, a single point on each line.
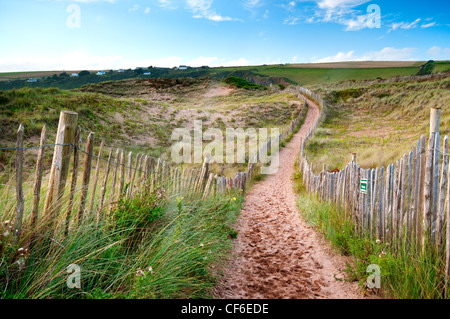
[426, 68]
[243, 84]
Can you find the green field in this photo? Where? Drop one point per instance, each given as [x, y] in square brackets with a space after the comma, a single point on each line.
[308, 76]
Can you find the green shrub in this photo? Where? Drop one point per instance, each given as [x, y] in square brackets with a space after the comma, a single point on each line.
[243, 84]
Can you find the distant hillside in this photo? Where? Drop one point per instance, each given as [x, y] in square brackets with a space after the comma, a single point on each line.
[284, 74]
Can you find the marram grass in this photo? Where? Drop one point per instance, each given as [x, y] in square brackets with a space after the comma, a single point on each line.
[175, 253]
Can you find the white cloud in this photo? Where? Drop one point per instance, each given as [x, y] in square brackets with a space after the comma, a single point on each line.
[168, 4]
[290, 6]
[357, 24]
[332, 4]
[386, 54]
[427, 25]
[339, 57]
[90, 1]
[404, 25]
[249, 4]
[238, 62]
[353, 20]
[81, 60]
[75, 60]
[134, 8]
[166, 62]
[202, 9]
[291, 21]
[200, 61]
[438, 53]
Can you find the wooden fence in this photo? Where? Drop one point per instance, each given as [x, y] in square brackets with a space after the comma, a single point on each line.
[124, 175]
[406, 202]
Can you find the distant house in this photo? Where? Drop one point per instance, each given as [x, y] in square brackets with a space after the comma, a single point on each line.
[101, 73]
[31, 80]
[74, 74]
[121, 70]
[147, 73]
[182, 67]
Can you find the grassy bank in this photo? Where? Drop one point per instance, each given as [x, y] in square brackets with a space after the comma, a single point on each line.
[379, 122]
[152, 246]
[140, 115]
[405, 272]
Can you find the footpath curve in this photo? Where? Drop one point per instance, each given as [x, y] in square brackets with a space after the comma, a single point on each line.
[276, 254]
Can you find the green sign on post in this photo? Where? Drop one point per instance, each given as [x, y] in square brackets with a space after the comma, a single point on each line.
[363, 186]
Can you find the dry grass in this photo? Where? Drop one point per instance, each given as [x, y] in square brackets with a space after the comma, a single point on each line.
[379, 122]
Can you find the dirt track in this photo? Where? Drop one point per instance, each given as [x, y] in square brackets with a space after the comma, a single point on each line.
[276, 254]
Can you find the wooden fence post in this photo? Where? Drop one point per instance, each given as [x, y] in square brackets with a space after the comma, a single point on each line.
[402, 196]
[65, 138]
[380, 203]
[74, 179]
[427, 192]
[38, 182]
[121, 173]
[421, 184]
[19, 189]
[447, 244]
[113, 185]
[435, 119]
[129, 168]
[443, 185]
[86, 175]
[97, 171]
[435, 186]
[103, 189]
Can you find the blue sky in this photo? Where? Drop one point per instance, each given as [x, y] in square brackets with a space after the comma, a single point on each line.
[112, 34]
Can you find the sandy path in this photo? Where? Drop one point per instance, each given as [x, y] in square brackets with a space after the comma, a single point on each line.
[276, 254]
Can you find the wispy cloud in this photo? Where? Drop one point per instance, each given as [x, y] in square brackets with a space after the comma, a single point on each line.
[89, 1]
[291, 21]
[203, 9]
[427, 25]
[404, 25]
[250, 4]
[134, 8]
[290, 6]
[333, 4]
[331, 11]
[168, 4]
